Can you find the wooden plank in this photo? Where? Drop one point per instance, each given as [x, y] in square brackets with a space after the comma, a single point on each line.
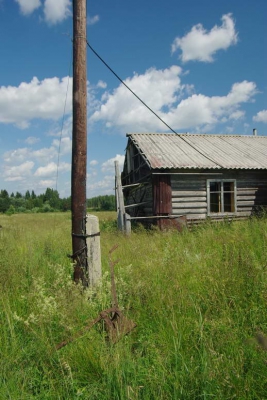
[120, 200]
[251, 203]
[183, 193]
[135, 205]
[244, 198]
[189, 205]
[243, 213]
[189, 210]
[188, 199]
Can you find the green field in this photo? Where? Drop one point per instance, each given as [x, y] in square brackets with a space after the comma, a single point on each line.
[199, 299]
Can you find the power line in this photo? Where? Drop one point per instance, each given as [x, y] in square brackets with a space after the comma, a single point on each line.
[63, 120]
[117, 76]
[149, 108]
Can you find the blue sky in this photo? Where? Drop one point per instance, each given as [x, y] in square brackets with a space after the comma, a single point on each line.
[201, 65]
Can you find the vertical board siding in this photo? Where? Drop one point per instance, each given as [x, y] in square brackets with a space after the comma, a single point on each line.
[162, 195]
[162, 199]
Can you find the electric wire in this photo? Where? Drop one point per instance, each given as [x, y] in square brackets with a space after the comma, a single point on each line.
[63, 121]
[149, 108]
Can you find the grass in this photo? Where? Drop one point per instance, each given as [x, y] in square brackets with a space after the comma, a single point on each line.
[198, 298]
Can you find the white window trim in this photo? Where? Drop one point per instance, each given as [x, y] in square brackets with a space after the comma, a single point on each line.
[209, 213]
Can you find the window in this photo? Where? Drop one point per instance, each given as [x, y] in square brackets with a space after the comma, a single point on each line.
[221, 196]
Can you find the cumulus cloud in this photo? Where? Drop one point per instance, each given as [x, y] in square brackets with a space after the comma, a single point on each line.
[237, 114]
[93, 163]
[103, 186]
[101, 84]
[158, 88]
[201, 45]
[37, 99]
[109, 166]
[43, 155]
[64, 145]
[51, 169]
[199, 109]
[261, 116]
[92, 20]
[32, 140]
[161, 90]
[28, 6]
[18, 172]
[46, 183]
[56, 10]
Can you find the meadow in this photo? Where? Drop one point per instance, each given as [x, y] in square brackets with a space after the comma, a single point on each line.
[198, 298]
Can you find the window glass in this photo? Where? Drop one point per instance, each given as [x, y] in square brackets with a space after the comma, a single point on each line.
[215, 186]
[215, 202]
[221, 196]
[228, 186]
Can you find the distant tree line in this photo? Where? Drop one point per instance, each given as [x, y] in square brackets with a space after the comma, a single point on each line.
[102, 203]
[47, 202]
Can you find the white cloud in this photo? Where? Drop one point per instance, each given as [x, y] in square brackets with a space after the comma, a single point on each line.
[32, 140]
[47, 183]
[93, 163]
[104, 186]
[161, 90]
[18, 155]
[43, 155]
[28, 6]
[158, 88]
[51, 169]
[56, 10]
[92, 20]
[109, 165]
[65, 145]
[36, 99]
[200, 109]
[237, 115]
[18, 172]
[261, 116]
[101, 84]
[201, 45]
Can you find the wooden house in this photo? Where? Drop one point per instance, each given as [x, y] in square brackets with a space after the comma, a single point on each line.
[170, 179]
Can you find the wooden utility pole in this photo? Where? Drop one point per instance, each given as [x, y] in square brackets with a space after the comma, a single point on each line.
[79, 144]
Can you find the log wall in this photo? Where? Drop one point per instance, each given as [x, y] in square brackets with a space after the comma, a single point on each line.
[189, 193]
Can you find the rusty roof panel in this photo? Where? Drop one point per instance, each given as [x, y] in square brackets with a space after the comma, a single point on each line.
[187, 151]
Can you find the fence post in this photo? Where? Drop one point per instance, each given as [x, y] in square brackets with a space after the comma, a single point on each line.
[119, 199]
[93, 250]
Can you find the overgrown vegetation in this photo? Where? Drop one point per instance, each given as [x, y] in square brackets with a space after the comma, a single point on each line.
[199, 300]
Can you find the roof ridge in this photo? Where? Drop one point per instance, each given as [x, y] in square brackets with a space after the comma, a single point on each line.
[195, 134]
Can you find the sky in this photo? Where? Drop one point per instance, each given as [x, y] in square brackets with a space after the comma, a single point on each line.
[199, 64]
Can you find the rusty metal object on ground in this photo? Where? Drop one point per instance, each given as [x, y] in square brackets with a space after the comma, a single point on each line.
[116, 324]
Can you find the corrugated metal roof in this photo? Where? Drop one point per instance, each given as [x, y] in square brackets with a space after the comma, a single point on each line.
[202, 151]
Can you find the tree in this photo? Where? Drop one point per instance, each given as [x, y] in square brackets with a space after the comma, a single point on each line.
[4, 194]
[51, 196]
[4, 204]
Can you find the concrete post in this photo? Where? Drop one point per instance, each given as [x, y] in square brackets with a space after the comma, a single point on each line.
[127, 224]
[93, 250]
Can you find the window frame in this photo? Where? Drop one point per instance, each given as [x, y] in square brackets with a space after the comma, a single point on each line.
[222, 213]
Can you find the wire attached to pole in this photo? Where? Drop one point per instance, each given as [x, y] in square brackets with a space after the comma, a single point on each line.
[150, 109]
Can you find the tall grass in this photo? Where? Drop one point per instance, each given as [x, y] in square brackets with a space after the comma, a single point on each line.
[198, 298]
